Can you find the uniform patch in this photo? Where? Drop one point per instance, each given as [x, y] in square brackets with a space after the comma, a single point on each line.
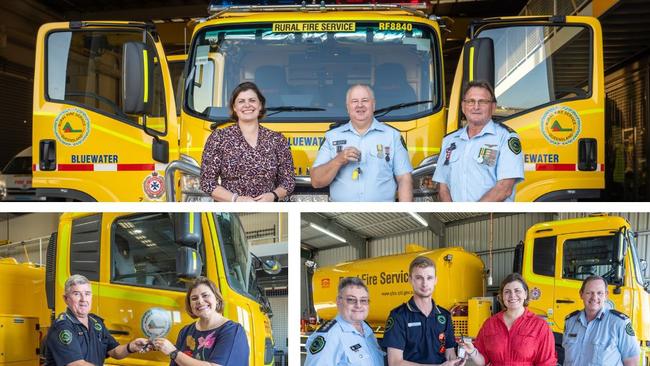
[389, 323]
[515, 145]
[629, 330]
[442, 319]
[65, 337]
[317, 345]
[98, 326]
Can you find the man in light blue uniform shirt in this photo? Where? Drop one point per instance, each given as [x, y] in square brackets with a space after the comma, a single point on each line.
[483, 160]
[597, 335]
[346, 340]
[364, 159]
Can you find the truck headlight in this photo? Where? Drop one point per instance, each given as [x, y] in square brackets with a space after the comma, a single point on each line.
[424, 189]
[191, 189]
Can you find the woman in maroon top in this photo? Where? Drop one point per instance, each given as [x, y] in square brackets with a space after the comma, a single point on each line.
[252, 162]
[516, 336]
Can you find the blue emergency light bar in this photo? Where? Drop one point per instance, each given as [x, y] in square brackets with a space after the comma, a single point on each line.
[219, 5]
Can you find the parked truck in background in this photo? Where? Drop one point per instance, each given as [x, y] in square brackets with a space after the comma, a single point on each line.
[106, 125]
[138, 265]
[556, 256]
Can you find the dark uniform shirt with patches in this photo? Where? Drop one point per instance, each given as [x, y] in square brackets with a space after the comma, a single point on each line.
[420, 337]
[68, 340]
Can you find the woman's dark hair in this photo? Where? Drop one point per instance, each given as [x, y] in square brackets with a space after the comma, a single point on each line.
[196, 283]
[513, 277]
[247, 85]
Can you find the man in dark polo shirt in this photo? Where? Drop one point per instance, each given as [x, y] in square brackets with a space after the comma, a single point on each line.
[79, 338]
[419, 332]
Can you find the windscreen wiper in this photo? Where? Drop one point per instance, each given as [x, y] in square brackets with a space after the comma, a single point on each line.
[384, 111]
[291, 108]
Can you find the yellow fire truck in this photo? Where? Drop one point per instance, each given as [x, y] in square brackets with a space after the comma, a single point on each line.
[138, 265]
[554, 258]
[106, 126]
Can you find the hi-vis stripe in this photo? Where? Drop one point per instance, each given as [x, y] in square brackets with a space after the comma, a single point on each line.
[557, 167]
[105, 167]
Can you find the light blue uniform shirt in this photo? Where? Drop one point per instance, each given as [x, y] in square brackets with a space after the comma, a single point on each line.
[337, 343]
[376, 181]
[605, 341]
[471, 167]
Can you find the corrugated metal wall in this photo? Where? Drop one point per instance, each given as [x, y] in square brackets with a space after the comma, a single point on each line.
[640, 221]
[396, 244]
[261, 222]
[337, 255]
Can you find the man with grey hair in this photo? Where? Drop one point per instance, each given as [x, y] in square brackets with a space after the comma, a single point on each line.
[80, 338]
[346, 340]
[364, 159]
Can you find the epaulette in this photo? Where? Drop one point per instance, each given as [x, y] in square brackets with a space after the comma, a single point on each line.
[336, 125]
[326, 326]
[454, 131]
[60, 317]
[572, 314]
[619, 314]
[506, 127]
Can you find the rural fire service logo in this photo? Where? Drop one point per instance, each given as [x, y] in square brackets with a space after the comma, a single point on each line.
[154, 185]
[156, 323]
[72, 126]
[561, 125]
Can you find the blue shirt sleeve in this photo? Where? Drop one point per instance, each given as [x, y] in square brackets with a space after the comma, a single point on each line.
[450, 339]
[322, 349]
[326, 152]
[395, 335]
[109, 340]
[510, 162]
[402, 163]
[63, 344]
[441, 175]
[627, 343]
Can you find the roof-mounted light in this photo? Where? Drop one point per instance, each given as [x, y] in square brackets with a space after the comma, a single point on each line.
[220, 5]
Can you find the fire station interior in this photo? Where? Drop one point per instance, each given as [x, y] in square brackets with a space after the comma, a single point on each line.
[626, 33]
[333, 242]
[24, 237]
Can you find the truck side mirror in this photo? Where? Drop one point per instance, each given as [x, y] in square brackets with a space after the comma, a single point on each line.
[271, 266]
[187, 229]
[137, 83]
[188, 263]
[478, 61]
[620, 257]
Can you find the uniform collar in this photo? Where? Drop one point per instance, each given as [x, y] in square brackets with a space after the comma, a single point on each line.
[348, 327]
[375, 125]
[599, 316]
[489, 128]
[412, 306]
[71, 316]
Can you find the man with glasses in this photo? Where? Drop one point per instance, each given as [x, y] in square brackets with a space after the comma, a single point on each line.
[80, 338]
[346, 340]
[419, 332]
[598, 335]
[483, 160]
[364, 159]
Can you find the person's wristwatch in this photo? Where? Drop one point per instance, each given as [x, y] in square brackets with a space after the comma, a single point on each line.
[173, 354]
[128, 348]
[276, 197]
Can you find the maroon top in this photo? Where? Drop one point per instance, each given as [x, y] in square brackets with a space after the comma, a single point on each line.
[243, 169]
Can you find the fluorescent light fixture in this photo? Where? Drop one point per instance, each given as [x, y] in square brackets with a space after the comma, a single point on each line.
[327, 232]
[419, 218]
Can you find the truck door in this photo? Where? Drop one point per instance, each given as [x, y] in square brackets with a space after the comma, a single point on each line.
[140, 290]
[583, 255]
[547, 74]
[86, 147]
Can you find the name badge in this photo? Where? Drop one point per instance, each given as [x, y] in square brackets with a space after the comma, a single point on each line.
[415, 324]
[573, 335]
[356, 347]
